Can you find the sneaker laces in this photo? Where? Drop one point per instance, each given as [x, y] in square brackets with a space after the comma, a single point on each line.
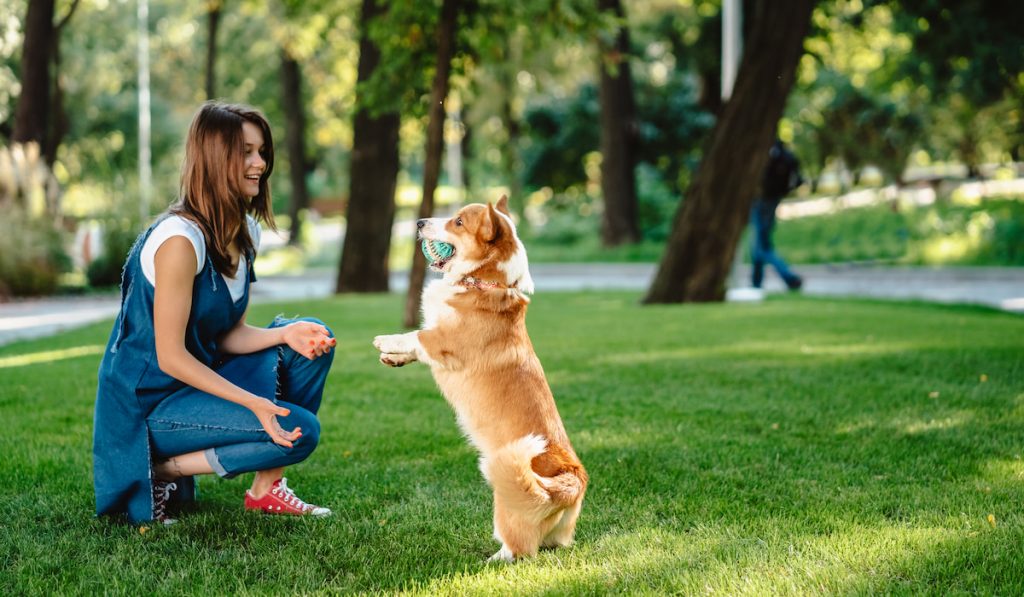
[288, 495]
[161, 497]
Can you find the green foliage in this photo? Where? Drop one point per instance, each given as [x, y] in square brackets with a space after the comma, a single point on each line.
[861, 234]
[657, 201]
[796, 446]
[670, 129]
[561, 133]
[32, 254]
[973, 48]
[863, 128]
[985, 234]
[947, 233]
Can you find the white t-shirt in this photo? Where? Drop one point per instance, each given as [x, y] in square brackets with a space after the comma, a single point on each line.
[179, 226]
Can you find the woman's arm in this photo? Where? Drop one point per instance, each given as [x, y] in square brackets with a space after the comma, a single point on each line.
[175, 265]
[309, 339]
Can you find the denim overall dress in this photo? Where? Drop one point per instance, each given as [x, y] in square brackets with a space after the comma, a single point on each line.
[132, 387]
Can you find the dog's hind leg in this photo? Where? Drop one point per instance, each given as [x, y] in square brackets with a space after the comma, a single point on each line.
[561, 534]
[520, 533]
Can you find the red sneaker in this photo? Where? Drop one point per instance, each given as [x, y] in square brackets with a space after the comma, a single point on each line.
[282, 500]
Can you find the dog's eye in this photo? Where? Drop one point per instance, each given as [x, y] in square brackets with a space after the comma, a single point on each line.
[458, 221]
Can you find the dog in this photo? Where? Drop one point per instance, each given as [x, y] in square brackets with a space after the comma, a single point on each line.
[474, 340]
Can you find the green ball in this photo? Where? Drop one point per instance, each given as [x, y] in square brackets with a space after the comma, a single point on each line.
[435, 250]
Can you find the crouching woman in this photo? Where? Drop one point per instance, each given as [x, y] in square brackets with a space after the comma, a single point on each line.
[186, 386]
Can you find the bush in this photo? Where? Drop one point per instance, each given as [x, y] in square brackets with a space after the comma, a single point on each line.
[657, 204]
[118, 237]
[32, 255]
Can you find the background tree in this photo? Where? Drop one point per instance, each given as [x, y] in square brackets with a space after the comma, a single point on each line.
[213, 14]
[435, 144]
[39, 116]
[711, 218]
[32, 116]
[295, 141]
[295, 51]
[618, 132]
[374, 170]
[969, 55]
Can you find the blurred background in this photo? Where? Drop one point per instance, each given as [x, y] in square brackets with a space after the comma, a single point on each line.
[592, 116]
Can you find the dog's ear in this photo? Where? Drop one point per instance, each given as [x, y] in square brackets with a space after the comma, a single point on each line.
[502, 205]
[490, 228]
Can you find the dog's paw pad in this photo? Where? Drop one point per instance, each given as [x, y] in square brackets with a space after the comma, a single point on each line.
[394, 360]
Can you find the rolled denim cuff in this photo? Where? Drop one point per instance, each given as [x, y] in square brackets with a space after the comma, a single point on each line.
[211, 457]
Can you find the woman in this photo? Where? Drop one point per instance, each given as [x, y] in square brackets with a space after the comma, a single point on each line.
[186, 386]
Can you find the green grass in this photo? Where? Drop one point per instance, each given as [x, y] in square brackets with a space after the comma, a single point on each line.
[799, 446]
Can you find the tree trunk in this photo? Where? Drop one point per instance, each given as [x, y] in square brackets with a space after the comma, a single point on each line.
[512, 163]
[618, 136]
[712, 215]
[213, 10]
[435, 144]
[295, 139]
[373, 174]
[59, 124]
[33, 112]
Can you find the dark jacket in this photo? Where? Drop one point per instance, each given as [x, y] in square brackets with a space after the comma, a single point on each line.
[782, 174]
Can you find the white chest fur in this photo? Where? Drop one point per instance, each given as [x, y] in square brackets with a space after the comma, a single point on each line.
[435, 302]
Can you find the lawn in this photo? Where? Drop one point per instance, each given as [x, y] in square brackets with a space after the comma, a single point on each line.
[799, 446]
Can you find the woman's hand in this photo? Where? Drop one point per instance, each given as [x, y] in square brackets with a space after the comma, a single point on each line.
[309, 339]
[268, 412]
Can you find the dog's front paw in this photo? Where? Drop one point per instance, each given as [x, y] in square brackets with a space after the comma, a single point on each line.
[396, 360]
[393, 344]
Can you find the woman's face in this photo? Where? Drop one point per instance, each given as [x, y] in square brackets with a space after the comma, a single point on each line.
[254, 163]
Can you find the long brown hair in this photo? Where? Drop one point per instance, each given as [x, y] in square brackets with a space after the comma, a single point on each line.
[210, 192]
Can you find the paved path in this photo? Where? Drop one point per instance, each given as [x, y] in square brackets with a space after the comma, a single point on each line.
[1002, 288]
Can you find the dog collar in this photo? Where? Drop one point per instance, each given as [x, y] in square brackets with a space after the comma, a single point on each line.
[471, 282]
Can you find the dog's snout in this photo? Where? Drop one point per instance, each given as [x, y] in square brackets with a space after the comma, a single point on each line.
[420, 224]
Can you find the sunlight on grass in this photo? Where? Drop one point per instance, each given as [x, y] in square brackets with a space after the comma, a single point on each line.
[714, 558]
[49, 356]
[911, 426]
[960, 419]
[747, 349]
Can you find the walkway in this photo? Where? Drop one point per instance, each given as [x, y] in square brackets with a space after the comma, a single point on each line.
[1001, 288]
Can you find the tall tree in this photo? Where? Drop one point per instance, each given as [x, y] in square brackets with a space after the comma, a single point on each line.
[213, 14]
[710, 219]
[34, 110]
[618, 133]
[59, 118]
[295, 140]
[435, 145]
[374, 174]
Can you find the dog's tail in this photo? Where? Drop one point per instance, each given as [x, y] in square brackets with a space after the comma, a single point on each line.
[529, 474]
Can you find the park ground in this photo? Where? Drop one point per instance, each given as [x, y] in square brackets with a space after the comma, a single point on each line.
[802, 445]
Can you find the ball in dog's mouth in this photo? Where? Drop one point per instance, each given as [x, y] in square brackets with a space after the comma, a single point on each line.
[437, 253]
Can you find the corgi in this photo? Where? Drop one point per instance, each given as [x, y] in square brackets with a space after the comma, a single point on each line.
[474, 340]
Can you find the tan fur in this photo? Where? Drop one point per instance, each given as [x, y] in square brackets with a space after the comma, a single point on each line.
[474, 339]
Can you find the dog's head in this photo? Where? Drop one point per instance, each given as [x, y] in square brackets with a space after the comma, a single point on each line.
[485, 245]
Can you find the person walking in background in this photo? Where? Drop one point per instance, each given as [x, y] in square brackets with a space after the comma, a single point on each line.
[186, 386]
[781, 176]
